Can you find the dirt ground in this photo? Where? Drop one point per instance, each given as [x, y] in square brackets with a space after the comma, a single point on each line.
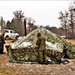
[9, 68]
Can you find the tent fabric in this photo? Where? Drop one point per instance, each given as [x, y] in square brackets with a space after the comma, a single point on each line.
[25, 50]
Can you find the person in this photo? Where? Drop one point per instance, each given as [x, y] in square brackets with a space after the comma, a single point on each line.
[2, 42]
[41, 49]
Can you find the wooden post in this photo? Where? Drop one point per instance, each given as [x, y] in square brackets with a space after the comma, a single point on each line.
[25, 27]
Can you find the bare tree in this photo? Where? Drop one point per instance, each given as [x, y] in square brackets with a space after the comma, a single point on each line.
[18, 17]
[18, 14]
[68, 20]
[2, 23]
[31, 25]
[72, 20]
[63, 18]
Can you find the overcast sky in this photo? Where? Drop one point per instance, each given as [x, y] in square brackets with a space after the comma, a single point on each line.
[43, 12]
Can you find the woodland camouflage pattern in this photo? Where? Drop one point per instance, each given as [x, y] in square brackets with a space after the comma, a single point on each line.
[42, 52]
[21, 53]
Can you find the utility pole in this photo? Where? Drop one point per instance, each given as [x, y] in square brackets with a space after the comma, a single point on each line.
[25, 27]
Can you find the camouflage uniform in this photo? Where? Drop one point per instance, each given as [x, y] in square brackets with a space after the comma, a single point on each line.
[41, 49]
[1, 43]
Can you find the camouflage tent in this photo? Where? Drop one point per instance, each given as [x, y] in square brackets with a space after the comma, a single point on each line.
[24, 49]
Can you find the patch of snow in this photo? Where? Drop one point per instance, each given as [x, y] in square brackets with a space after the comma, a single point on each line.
[17, 42]
[49, 59]
[56, 46]
[13, 46]
[25, 44]
[52, 46]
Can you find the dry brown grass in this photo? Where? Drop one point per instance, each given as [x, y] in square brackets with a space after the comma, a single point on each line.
[71, 40]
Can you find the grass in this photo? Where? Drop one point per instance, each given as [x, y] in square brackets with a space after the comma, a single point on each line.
[71, 40]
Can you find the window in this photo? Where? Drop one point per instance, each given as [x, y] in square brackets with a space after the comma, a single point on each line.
[6, 31]
[13, 31]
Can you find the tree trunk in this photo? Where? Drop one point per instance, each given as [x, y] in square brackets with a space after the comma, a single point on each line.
[73, 34]
[66, 33]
